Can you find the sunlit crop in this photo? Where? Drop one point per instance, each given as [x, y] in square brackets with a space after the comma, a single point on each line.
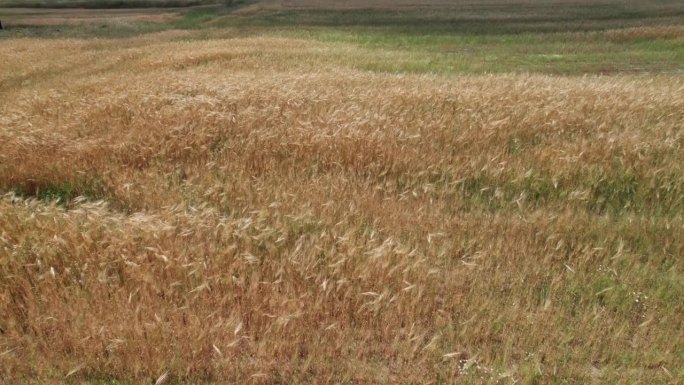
[257, 209]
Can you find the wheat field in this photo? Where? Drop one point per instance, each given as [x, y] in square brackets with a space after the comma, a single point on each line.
[259, 210]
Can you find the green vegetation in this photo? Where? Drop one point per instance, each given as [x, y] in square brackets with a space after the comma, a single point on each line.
[567, 39]
[62, 193]
[605, 38]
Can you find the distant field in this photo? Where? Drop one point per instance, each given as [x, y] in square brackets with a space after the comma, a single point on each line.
[105, 4]
[281, 192]
[480, 8]
[31, 18]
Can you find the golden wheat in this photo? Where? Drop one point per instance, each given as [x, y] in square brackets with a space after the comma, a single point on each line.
[255, 210]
